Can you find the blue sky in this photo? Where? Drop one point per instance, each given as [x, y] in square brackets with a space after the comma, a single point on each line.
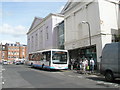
[17, 18]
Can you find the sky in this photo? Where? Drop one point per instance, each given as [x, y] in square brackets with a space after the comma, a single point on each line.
[16, 17]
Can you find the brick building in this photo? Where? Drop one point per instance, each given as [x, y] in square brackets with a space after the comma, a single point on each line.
[3, 52]
[11, 51]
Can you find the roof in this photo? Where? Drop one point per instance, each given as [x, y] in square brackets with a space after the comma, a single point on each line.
[18, 45]
[66, 6]
[52, 50]
[23, 45]
[72, 3]
[42, 20]
[35, 22]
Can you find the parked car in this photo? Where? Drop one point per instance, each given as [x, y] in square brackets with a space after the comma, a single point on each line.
[18, 62]
[110, 61]
[22, 61]
[5, 62]
[13, 61]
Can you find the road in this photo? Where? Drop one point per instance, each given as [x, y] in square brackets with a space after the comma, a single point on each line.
[0, 76]
[22, 76]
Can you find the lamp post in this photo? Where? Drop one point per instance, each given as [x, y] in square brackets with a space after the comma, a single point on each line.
[85, 22]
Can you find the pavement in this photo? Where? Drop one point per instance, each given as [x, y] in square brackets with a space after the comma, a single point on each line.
[100, 79]
[93, 77]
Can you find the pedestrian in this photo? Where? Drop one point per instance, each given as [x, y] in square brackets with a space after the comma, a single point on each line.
[75, 65]
[80, 63]
[92, 63]
[72, 63]
[69, 65]
[86, 63]
[84, 66]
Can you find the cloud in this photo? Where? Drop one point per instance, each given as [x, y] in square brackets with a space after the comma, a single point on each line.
[14, 31]
[6, 41]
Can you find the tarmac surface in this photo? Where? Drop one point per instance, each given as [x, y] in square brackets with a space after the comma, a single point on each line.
[22, 76]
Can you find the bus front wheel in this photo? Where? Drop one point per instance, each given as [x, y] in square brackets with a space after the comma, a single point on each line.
[31, 64]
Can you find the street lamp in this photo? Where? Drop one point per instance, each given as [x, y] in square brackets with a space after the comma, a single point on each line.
[85, 22]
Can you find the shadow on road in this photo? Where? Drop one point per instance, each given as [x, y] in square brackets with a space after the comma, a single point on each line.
[100, 78]
[44, 69]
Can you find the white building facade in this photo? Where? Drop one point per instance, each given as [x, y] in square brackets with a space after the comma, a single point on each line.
[42, 34]
[91, 21]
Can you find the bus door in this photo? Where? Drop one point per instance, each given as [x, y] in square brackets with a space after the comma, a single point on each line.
[46, 58]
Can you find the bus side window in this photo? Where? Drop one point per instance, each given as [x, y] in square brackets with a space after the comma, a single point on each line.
[47, 55]
[41, 57]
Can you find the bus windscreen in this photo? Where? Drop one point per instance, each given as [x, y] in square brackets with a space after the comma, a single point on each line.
[59, 57]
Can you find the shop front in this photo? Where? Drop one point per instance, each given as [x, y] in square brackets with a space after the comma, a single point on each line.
[82, 53]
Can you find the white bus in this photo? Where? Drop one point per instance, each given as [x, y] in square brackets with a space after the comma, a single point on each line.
[50, 59]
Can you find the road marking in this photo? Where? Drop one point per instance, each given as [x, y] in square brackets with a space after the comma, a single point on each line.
[80, 76]
[71, 76]
[62, 73]
[93, 76]
[64, 70]
[117, 85]
[100, 82]
[108, 83]
[3, 69]
[3, 83]
[55, 72]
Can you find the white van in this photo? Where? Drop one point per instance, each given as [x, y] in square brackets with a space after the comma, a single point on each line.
[110, 61]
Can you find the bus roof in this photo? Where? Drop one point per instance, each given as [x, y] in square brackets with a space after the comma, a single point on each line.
[52, 50]
[49, 50]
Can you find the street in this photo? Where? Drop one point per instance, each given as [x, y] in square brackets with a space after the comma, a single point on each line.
[22, 76]
[1, 76]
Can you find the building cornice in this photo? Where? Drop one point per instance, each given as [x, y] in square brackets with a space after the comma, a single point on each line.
[63, 12]
[113, 1]
[74, 41]
[34, 22]
[85, 3]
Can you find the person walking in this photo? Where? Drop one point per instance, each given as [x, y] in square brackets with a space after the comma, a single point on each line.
[86, 63]
[92, 63]
[84, 66]
[80, 63]
[72, 64]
